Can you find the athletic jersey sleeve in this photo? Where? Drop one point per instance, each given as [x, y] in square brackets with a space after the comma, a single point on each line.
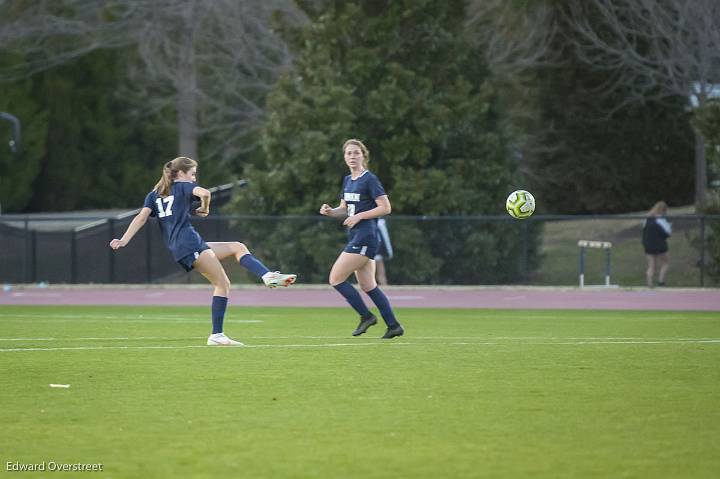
[150, 202]
[375, 188]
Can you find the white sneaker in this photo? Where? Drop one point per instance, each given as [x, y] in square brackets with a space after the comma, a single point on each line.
[219, 339]
[276, 278]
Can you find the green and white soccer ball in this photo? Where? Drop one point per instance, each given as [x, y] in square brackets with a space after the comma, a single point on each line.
[520, 204]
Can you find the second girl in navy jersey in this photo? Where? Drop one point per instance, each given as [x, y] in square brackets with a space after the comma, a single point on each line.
[362, 201]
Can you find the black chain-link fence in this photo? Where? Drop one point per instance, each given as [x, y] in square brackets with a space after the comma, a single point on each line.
[542, 250]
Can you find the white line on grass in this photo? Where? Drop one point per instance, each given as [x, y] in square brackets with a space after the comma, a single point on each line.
[95, 319]
[580, 343]
[398, 343]
[701, 341]
[51, 315]
[92, 348]
[554, 339]
[494, 338]
[163, 338]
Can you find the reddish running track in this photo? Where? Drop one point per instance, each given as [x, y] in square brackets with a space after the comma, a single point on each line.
[666, 299]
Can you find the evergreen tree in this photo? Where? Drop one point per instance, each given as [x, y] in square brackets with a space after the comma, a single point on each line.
[401, 76]
[19, 169]
[97, 154]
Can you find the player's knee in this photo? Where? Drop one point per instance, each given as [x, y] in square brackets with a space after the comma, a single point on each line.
[222, 283]
[240, 248]
[334, 279]
[367, 285]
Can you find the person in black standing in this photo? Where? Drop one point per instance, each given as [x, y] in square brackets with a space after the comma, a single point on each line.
[656, 230]
[385, 252]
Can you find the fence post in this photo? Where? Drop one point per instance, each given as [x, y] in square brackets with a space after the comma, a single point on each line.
[73, 256]
[148, 254]
[607, 267]
[525, 251]
[111, 252]
[28, 245]
[33, 256]
[702, 251]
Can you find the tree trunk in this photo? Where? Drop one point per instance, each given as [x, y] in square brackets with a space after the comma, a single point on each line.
[187, 97]
[700, 172]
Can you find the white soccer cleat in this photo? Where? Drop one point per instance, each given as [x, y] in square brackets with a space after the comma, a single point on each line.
[220, 339]
[276, 278]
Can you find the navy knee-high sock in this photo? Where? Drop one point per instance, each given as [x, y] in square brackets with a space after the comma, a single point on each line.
[254, 265]
[383, 305]
[353, 297]
[219, 305]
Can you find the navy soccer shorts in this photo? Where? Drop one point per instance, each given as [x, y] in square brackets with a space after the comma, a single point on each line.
[187, 261]
[362, 242]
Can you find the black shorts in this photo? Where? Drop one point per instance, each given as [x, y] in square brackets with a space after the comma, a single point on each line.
[654, 250]
[362, 242]
[187, 261]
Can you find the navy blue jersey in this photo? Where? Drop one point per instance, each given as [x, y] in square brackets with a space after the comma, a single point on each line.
[359, 195]
[173, 213]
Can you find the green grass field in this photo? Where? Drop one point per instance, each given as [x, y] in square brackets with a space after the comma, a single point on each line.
[466, 393]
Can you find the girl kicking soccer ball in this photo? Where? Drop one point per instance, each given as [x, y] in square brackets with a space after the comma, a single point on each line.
[171, 201]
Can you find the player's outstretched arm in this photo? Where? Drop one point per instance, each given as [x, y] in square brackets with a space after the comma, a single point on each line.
[134, 226]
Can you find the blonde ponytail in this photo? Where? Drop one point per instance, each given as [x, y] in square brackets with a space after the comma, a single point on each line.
[170, 171]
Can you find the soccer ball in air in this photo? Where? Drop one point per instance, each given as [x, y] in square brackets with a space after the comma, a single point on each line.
[520, 204]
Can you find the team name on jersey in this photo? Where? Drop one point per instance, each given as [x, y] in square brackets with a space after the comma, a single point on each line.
[351, 197]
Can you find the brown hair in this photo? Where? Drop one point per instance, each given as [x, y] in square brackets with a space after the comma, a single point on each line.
[659, 209]
[170, 171]
[363, 148]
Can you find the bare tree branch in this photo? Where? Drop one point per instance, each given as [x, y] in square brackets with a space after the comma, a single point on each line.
[656, 49]
[213, 61]
[513, 38]
[661, 48]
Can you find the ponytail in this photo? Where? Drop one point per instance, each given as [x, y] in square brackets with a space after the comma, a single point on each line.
[170, 171]
[162, 188]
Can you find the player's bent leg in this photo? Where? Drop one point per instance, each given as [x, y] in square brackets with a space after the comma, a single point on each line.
[225, 249]
[366, 279]
[209, 266]
[345, 265]
[366, 276]
[241, 253]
